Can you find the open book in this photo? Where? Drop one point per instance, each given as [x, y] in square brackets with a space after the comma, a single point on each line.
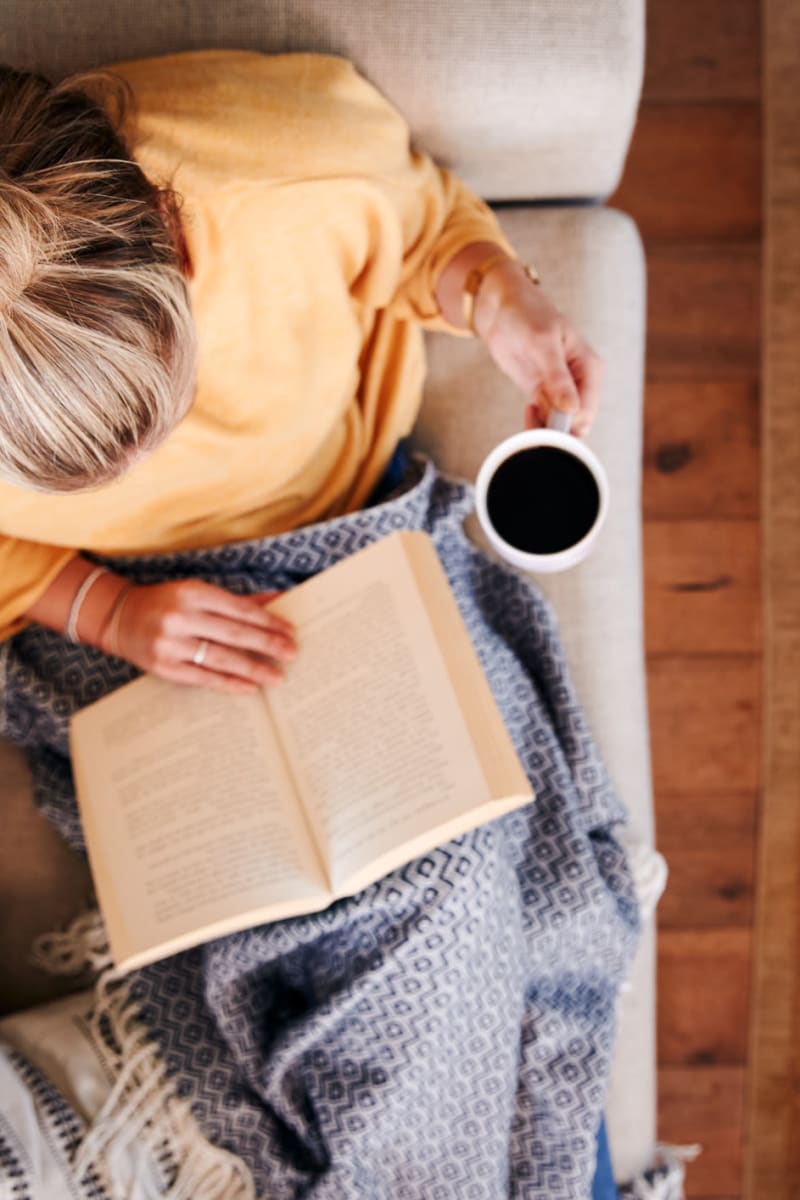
[205, 813]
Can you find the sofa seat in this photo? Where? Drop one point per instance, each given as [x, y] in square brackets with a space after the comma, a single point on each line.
[592, 265]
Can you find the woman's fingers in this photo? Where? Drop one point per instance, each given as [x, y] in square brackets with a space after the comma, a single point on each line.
[554, 391]
[186, 672]
[241, 639]
[247, 609]
[268, 642]
[573, 388]
[221, 660]
[586, 369]
[533, 418]
[559, 389]
[236, 649]
[241, 644]
[265, 597]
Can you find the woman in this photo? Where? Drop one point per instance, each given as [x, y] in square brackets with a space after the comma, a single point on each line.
[308, 247]
[211, 313]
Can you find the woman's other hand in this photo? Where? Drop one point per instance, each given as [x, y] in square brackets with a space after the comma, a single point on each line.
[537, 348]
[529, 339]
[193, 632]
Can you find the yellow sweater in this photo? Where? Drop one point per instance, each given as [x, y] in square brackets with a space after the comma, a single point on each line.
[316, 237]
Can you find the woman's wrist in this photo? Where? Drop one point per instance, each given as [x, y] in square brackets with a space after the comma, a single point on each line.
[503, 280]
[453, 277]
[96, 610]
[476, 281]
[78, 591]
[109, 632]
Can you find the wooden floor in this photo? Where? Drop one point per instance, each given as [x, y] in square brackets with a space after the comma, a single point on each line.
[773, 1160]
[693, 184]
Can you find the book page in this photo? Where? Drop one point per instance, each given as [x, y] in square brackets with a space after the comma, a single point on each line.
[189, 813]
[503, 770]
[380, 750]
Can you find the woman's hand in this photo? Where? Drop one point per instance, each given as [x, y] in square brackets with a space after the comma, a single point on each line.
[162, 627]
[529, 339]
[534, 344]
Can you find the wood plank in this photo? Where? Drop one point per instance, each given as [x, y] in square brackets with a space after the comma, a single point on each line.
[694, 172]
[701, 449]
[703, 311]
[708, 840]
[705, 1104]
[703, 996]
[702, 587]
[774, 1111]
[703, 50]
[704, 714]
[710, 884]
[686, 817]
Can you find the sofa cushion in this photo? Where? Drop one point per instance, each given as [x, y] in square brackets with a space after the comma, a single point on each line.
[591, 264]
[523, 100]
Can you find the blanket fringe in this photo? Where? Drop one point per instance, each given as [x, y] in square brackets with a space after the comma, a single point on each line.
[82, 946]
[143, 1107]
[650, 872]
[665, 1179]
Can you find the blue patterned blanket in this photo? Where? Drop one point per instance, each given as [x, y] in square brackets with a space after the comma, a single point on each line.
[445, 1034]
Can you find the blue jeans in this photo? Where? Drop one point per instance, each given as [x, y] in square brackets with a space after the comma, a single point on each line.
[392, 476]
[603, 1186]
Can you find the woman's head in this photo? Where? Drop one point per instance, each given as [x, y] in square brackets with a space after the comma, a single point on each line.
[96, 336]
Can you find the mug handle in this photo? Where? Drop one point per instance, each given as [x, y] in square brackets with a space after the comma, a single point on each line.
[559, 421]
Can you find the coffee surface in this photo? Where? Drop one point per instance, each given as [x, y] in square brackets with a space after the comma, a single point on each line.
[543, 500]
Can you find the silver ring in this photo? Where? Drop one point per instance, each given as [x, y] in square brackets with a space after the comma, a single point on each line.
[199, 655]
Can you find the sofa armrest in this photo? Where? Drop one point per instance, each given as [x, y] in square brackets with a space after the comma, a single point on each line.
[523, 100]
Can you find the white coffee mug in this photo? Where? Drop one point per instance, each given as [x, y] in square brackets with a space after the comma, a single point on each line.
[557, 436]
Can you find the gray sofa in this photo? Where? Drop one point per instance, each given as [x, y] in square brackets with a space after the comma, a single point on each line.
[533, 104]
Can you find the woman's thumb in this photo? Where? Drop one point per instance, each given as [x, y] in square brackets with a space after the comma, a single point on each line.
[559, 390]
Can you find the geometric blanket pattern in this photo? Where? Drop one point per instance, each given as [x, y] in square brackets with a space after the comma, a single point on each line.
[446, 1034]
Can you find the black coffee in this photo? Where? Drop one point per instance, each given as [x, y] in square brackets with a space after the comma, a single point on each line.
[542, 500]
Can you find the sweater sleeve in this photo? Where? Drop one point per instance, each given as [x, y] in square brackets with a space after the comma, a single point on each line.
[211, 121]
[26, 571]
[436, 212]
[445, 217]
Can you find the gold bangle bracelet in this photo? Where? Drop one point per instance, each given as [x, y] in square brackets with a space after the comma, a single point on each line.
[472, 284]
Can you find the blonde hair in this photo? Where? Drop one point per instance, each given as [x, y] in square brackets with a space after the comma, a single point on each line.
[97, 344]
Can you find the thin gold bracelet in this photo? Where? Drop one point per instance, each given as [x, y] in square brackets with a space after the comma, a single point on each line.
[112, 621]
